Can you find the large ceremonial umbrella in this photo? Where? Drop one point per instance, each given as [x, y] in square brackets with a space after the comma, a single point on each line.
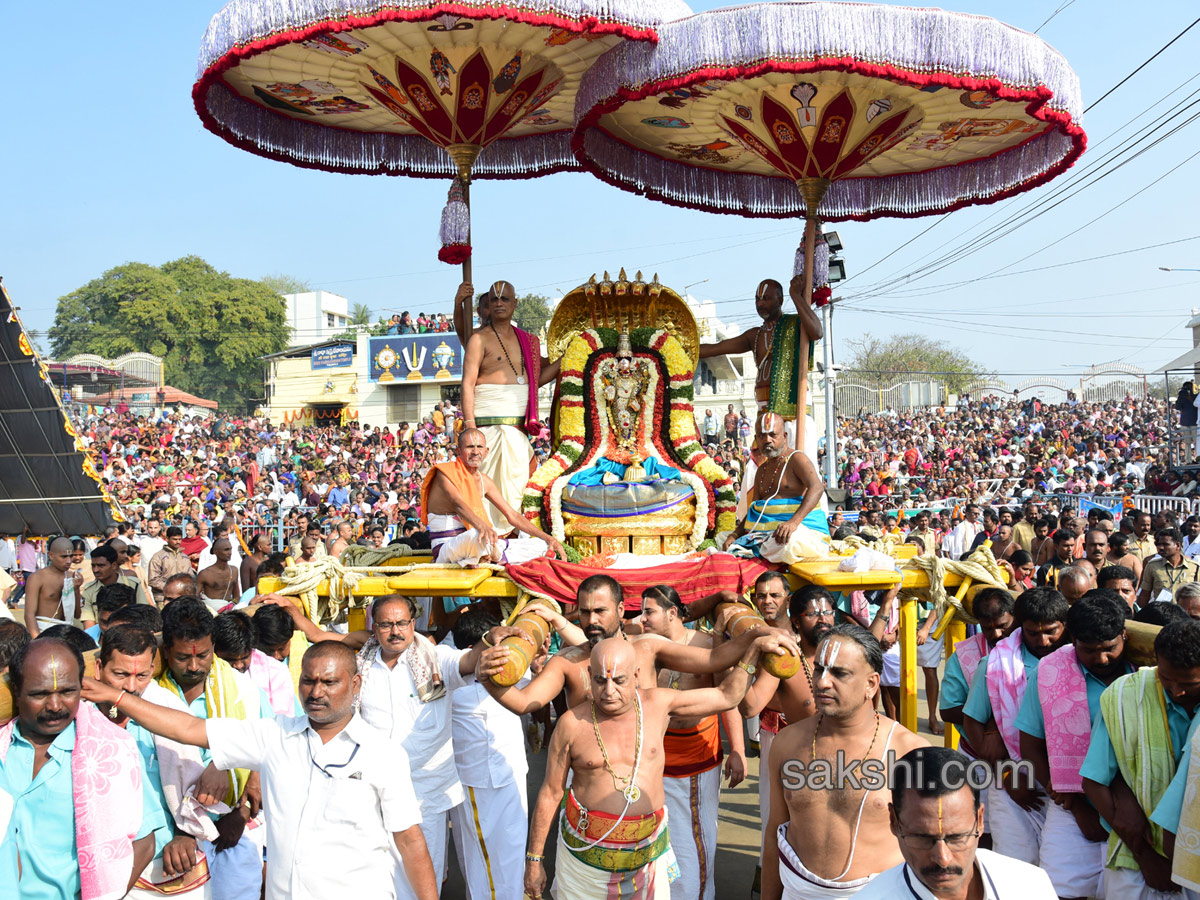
[469, 88]
[829, 110]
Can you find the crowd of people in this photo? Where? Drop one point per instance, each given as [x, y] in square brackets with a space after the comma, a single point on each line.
[1005, 449]
[404, 323]
[225, 745]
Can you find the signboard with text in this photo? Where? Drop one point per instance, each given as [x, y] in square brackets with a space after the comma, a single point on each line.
[415, 357]
[337, 357]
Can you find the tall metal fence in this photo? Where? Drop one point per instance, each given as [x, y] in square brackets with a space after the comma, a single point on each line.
[872, 392]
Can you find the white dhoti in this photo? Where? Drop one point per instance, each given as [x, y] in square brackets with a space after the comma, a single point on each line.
[433, 826]
[765, 739]
[799, 883]
[1128, 884]
[1075, 864]
[929, 654]
[1015, 832]
[692, 803]
[237, 873]
[489, 837]
[467, 549]
[509, 449]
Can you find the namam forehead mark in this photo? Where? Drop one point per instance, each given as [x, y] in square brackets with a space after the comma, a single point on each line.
[828, 652]
[764, 287]
[499, 287]
[768, 421]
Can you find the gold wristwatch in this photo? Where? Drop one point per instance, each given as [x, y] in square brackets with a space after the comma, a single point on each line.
[751, 669]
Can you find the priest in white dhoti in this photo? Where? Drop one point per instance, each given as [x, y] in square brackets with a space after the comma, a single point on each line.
[502, 371]
[489, 826]
[452, 507]
[937, 817]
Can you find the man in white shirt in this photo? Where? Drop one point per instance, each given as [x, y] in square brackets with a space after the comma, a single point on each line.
[962, 535]
[152, 541]
[407, 683]
[337, 799]
[489, 752]
[937, 818]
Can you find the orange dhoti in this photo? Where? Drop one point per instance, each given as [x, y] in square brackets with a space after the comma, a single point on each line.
[692, 788]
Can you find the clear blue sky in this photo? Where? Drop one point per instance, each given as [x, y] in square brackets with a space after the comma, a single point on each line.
[106, 162]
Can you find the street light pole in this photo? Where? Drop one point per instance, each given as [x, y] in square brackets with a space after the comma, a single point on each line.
[830, 399]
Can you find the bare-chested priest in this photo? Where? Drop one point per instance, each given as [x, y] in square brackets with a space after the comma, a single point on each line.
[601, 604]
[502, 371]
[453, 495]
[218, 583]
[784, 520]
[829, 833]
[774, 347]
[613, 832]
[53, 594]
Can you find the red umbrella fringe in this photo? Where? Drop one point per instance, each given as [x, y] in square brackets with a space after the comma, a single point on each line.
[455, 254]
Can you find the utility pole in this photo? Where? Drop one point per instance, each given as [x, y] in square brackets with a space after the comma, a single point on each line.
[830, 399]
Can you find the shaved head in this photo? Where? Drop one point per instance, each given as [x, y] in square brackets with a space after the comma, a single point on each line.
[472, 448]
[473, 434]
[61, 545]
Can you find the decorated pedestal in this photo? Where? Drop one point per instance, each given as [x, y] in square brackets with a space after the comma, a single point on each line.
[628, 473]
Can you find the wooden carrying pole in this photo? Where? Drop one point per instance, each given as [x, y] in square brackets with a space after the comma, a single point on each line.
[813, 191]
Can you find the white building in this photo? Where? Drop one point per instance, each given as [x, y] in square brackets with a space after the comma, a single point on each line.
[316, 316]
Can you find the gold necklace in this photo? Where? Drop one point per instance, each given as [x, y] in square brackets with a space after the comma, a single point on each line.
[631, 791]
[508, 359]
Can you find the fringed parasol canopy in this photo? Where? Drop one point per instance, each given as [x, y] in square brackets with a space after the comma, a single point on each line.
[878, 110]
[398, 88]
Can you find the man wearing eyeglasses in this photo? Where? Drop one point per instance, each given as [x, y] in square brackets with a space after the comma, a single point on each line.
[338, 798]
[937, 818]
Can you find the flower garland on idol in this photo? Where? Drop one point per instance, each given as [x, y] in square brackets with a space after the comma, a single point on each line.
[577, 419]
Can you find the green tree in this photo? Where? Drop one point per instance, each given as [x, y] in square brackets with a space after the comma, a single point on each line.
[532, 313]
[882, 362]
[286, 284]
[210, 328]
[360, 314]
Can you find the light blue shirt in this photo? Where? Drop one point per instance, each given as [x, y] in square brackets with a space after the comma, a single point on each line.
[164, 834]
[954, 685]
[1170, 805]
[1031, 718]
[1100, 764]
[43, 819]
[8, 845]
[979, 702]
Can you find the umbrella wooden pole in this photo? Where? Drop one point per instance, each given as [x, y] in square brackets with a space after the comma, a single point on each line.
[813, 190]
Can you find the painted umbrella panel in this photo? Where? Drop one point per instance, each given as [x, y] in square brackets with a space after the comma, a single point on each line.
[384, 88]
[906, 111]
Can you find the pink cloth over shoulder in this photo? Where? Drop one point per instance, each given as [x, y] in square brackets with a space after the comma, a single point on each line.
[1062, 691]
[107, 785]
[1006, 687]
[531, 356]
[969, 652]
[275, 680]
